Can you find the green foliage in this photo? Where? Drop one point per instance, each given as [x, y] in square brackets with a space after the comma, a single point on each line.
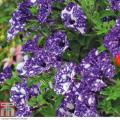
[101, 48]
[95, 11]
[46, 104]
[44, 79]
[5, 88]
[110, 105]
[48, 101]
[10, 82]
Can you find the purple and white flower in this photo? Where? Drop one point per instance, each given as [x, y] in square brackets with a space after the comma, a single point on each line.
[115, 4]
[5, 74]
[74, 17]
[112, 39]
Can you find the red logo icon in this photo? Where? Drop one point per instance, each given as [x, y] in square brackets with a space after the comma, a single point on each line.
[7, 109]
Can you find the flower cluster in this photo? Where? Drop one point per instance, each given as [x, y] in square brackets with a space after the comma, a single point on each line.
[23, 14]
[5, 74]
[57, 43]
[73, 17]
[20, 93]
[76, 103]
[44, 58]
[115, 4]
[112, 40]
[97, 65]
[94, 70]
[80, 97]
[19, 19]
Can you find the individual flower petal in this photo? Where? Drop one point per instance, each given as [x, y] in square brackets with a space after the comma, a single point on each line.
[31, 45]
[5, 74]
[57, 43]
[64, 78]
[34, 90]
[24, 111]
[45, 10]
[115, 4]
[73, 17]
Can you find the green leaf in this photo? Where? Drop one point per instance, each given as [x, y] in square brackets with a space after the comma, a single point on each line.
[48, 111]
[5, 88]
[14, 79]
[110, 103]
[58, 102]
[106, 13]
[101, 48]
[41, 100]
[33, 101]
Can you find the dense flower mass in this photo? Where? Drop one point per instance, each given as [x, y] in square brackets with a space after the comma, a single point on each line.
[43, 58]
[5, 74]
[78, 102]
[67, 106]
[94, 69]
[112, 39]
[73, 17]
[40, 63]
[23, 14]
[20, 93]
[97, 65]
[78, 83]
[86, 105]
[115, 4]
